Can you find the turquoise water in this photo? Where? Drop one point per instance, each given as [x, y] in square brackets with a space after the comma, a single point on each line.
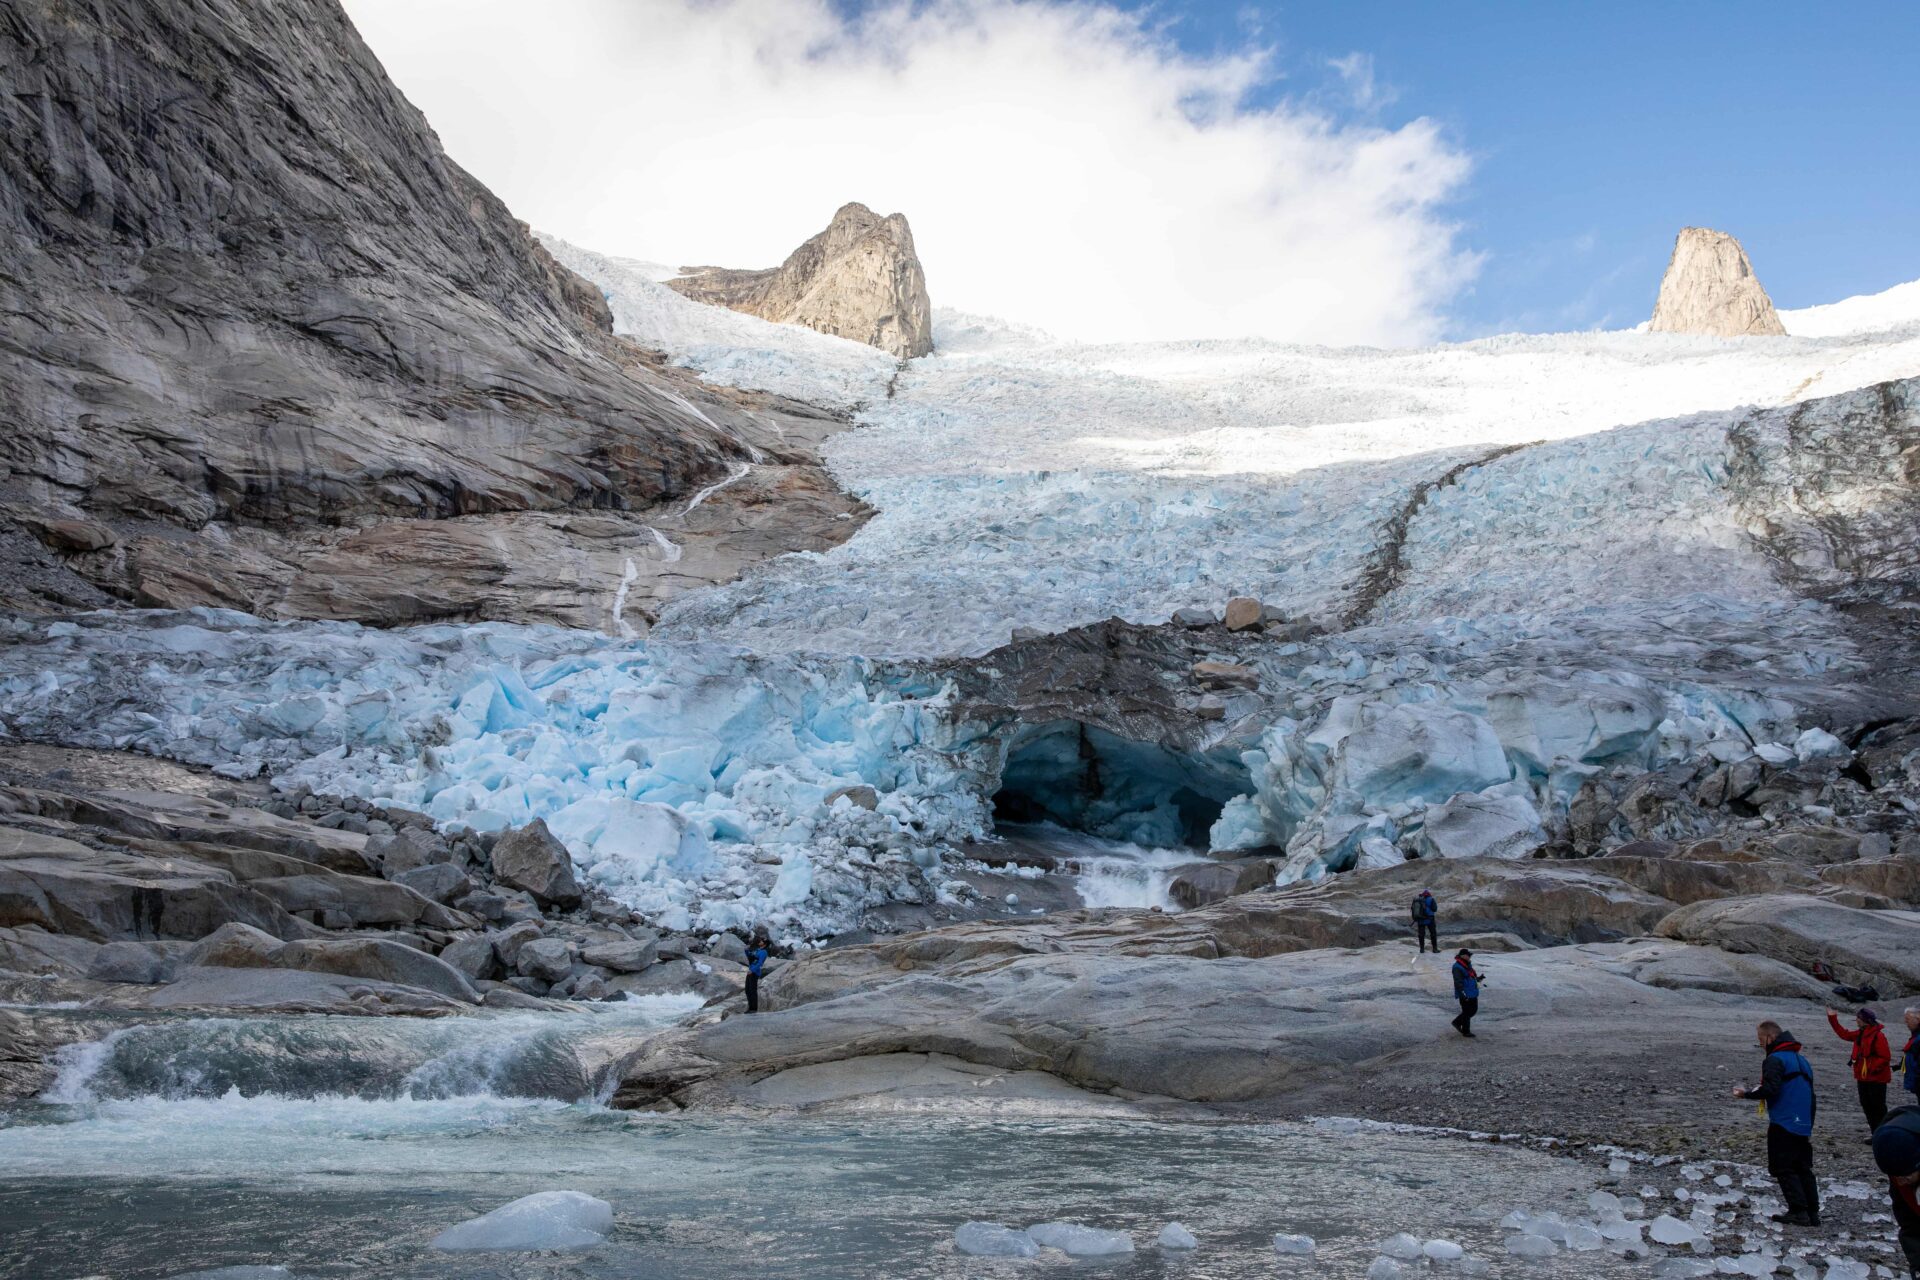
[162, 1156]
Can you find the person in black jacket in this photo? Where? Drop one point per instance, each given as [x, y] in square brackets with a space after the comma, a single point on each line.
[1425, 913]
[1896, 1149]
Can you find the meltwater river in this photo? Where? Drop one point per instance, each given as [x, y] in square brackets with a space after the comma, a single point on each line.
[339, 1147]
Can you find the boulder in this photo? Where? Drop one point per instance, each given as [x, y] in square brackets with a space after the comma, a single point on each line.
[507, 942]
[858, 279]
[143, 963]
[440, 881]
[1225, 675]
[474, 957]
[233, 946]
[530, 858]
[1244, 614]
[408, 850]
[1194, 619]
[549, 959]
[1709, 288]
[1199, 883]
[378, 960]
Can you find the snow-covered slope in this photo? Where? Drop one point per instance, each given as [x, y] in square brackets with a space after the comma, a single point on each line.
[727, 347]
[1023, 482]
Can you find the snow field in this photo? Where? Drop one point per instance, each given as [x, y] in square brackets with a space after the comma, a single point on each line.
[730, 348]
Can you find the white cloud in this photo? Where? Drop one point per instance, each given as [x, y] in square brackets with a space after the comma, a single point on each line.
[1061, 163]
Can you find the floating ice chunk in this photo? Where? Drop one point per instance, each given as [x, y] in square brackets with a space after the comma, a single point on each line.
[545, 1220]
[1384, 1269]
[1284, 1243]
[1403, 1246]
[992, 1240]
[1077, 1241]
[1620, 1230]
[1618, 1165]
[1850, 1190]
[238, 1273]
[1723, 1180]
[1442, 1250]
[1847, 1269]
[1667, 1229]
[1176, 1236]
[1603, 1203]
[1516, 1221]
[1531, 1246]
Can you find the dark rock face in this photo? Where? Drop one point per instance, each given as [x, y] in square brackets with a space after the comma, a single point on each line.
[248, 301]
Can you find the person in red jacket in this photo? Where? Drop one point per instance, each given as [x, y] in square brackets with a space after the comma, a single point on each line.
[1871, 1060]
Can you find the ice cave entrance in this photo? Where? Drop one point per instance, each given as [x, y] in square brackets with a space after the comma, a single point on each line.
[1087, 779]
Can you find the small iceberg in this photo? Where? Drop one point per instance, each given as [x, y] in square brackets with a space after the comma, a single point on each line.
[1077, 1241]
[547, 1220]
[994, 1240]
[1176, 1236]
[1296, 1245]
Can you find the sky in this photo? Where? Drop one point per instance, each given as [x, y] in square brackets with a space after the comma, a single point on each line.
[1376, 171]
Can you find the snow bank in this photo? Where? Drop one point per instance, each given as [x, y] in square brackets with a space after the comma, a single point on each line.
[730, 348]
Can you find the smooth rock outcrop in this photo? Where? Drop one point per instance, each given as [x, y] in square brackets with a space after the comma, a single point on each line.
[858, 279]
[1710, 288]
[1879, 947]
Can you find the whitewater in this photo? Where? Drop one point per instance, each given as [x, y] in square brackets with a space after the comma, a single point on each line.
[1563, 497]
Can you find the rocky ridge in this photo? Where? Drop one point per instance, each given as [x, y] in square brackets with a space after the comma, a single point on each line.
[270, 349]
[858, 279]
[1709, 288]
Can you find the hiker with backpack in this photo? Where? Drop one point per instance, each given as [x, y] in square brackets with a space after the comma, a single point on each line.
[1786, 1092]
[1425, 913]
[1466, 989]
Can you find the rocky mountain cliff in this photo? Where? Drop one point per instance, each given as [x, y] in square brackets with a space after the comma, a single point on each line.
[251, 311]
[858, 279]
[1710, 288]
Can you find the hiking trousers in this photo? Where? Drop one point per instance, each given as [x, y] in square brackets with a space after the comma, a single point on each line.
[1790, 1161]
[1469, 1005]
[1908, 1223]
[1424, 932]
[1873, 1102]
[753, 993]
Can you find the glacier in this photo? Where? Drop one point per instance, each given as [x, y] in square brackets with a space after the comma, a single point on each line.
[1503, 592]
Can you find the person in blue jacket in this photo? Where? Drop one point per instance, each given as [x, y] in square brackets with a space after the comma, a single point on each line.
[1466, 989]
[757, 952]
[1786, 1090]
[1425, 913]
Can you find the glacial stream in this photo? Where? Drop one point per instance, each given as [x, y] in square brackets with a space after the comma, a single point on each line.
[340, 1147]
